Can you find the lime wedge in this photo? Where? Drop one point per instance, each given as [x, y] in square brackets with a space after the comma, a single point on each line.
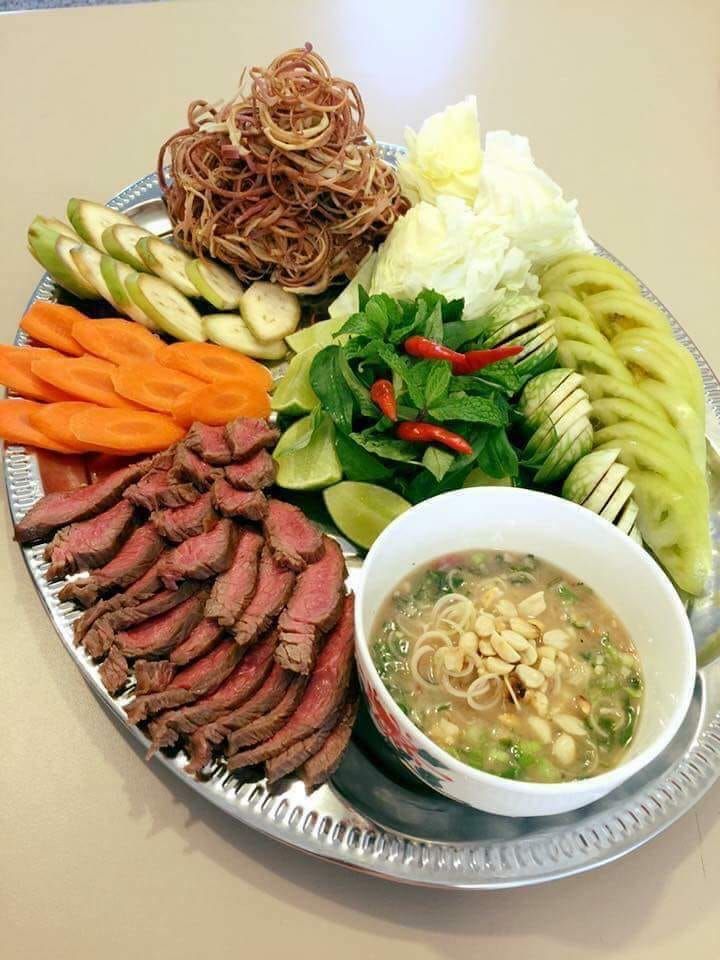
[478, 478]
[362, 510]
[318, 335]
[305, 455]
[293, 394]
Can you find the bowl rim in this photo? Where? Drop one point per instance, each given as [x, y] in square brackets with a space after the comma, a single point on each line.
[602, 783]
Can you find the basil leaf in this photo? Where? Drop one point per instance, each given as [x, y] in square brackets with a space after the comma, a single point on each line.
[387, 447]
[357, 387]
[437, 461]
[329, 383]
[358, 464]
[498, 457]
[470, 409]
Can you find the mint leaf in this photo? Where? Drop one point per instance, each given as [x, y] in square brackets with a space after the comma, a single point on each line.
[357, 463]
[437, 382]
[471, 410]
[328, 381]
[437, 461]
[434, 324]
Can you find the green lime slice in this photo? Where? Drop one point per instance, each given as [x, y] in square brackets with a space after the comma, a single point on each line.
[318, 335]
[305, 455]
[362, 510]
[294, 394]
[478, 478]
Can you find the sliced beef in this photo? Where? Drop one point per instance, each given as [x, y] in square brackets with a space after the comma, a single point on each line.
[233, 589]
[201, 557]
[203, 638]
[59, 509]
[323, 697]
[134, 558]
[188, 466]
[250, 504]
[255, 473]
[187, 685]
[313, 608]
[247, 435]
[161, 633]
[152, 676]
[323, 764]
[89, 543]
[209, 443]
[164, 459]
[295, 755]
[295, 540]
[156, 490]
[272, 590]
[179, 523]
[268, 724]
[259, 705]
[242, 683]
[114, 671]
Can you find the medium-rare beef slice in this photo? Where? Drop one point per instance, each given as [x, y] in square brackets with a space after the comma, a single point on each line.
[241, 684]
[160, 634]
[59, 509]
[209, 443]
[187, 685]
[114, 671]
[89, 543]
[294, 539]
[255, 473]
[233, 589]
[323, 697]
[178, 523]
[102, 633]
[250, 504]
[259, 705]
[268, 724]
[201, 557]
[133, 559]
[151, 676]
[292, 758]
[313, 608]
[156, 490]
[203, 638]
[272, 591]
[247, 435]
[188, 466]
[323, 764]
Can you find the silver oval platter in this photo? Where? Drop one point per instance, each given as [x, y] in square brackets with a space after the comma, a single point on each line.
[374, 816]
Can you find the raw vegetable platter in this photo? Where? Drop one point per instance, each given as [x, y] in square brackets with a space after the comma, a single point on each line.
[373, 816]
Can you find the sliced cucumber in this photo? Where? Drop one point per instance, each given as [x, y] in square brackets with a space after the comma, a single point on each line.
[587, 475]
[573, 445]
[555, 424]
[166, 262]
[612, 410]
[166, 306]
[270, 311]
[646, 449]
[555, 274]
[218, 286]
[92, 219]
[605, 490]
[564, 304]
[88, 260]
[115, 273]
[684, 418]
[601, 385]
[230, 330]
[52, 252]
[616, 310]
[649, 342]
[120, 241]
[568, 328]
[59, 226]
[294, 394]
[617, 501]
[588, 359]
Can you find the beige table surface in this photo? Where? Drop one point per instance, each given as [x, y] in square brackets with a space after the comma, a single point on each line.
[104, 856]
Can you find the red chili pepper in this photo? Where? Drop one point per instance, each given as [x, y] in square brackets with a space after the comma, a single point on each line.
[431, 350]
[416, 432]
[382, 395]
[475, 360]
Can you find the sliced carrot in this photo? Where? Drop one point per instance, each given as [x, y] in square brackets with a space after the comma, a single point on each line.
[15, 426]
[53, 419]
[126, 431]
[211, 363]
[219, 403]
[52, 323]
[61, 471]
[84, 378]
[118, 341]
[16, 373]
[152, 385]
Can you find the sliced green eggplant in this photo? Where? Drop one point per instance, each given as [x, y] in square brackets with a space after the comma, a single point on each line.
[627, 519]
[52, 252]
[91, 220]
[587, 474]
[115, 273]
[617, 501]
[607, 487]
[166, 306]
[556, 423]
[121, 240]
[543, 393]
[571, 446]
[230, 330]
[588, 359]
[217, 285]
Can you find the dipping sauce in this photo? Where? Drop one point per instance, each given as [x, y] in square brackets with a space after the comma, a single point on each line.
[510, 665]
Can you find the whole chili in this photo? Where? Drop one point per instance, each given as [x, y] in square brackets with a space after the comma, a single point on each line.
[428, 349]
[462, 363]
[382, 394]
[416, 432]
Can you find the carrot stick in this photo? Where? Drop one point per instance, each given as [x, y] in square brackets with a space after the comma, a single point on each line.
[16, 373]
[118, 341]
[125, 431]
[152, 385]
[212, 363]
[53, 419]
[52, 323]
[15, 426]
[85, 378]
[219, 403]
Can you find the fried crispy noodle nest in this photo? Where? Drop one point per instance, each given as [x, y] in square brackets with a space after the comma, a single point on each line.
[285, 181]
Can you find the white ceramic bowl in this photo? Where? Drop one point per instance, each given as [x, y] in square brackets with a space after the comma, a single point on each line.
[587, 547]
